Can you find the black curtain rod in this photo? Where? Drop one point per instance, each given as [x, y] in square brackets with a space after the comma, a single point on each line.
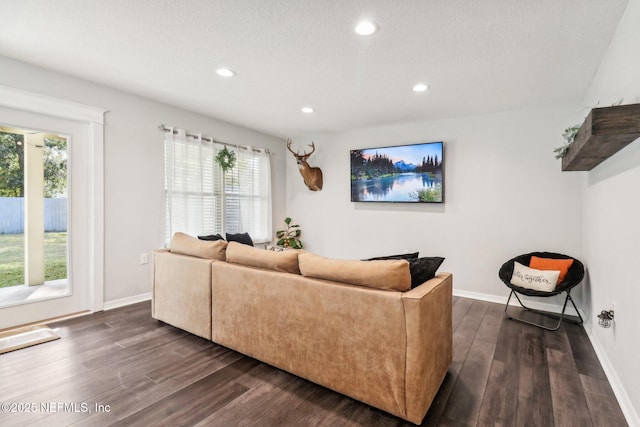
[163, 128]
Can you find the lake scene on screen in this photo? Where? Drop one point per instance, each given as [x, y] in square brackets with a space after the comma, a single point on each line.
[406, 174]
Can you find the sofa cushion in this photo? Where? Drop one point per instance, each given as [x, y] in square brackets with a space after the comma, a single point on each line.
[243, 238]
[382, 274]
[285, 261]
[530, 278]
[561, 265]
[409, 256]
[211, 237]
[423, 269]
[184, 244]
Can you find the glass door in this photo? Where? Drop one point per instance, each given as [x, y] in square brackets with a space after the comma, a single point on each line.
[34, 211]
[44, 210]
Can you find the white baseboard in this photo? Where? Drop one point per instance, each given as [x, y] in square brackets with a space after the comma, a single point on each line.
[630, 413]
[624, 401]
[110, 305]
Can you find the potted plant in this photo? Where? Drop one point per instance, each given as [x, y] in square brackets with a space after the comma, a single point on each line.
[289, 237]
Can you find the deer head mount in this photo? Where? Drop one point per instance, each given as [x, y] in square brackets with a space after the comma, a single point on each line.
[312, 176]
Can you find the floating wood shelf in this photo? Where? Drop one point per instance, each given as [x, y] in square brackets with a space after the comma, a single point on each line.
[604, 132]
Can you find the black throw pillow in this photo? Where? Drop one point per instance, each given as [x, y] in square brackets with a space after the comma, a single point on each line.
[211, 237]
[410, 256]
[423, 269]
[243, 238]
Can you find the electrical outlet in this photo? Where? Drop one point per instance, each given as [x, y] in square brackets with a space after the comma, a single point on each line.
[144, 258]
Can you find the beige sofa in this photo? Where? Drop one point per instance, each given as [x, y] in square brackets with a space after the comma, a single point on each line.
[387, 348]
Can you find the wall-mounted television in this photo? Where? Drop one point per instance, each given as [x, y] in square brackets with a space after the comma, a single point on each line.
[411, 173]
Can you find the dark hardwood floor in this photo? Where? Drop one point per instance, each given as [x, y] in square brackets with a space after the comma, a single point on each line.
[146, 373]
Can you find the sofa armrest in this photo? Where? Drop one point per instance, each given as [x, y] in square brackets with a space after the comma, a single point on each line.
[182, 292]
[429, 342]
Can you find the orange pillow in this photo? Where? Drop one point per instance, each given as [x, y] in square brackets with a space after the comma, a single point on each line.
[552, 264]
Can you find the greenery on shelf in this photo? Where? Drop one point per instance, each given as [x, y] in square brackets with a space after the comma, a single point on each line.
[569, 136]
[570, 133]
[290, 237]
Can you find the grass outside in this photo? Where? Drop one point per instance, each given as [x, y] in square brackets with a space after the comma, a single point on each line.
[12, 258]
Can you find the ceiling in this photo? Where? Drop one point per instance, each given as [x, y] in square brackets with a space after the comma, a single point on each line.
[476, 56]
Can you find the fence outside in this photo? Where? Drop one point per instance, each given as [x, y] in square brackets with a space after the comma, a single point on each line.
[12, 215]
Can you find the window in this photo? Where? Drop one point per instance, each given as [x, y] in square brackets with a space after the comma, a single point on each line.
[33, 208]
[201, 199]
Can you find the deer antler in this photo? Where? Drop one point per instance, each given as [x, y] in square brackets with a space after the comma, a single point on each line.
[313, 148]
[297, 154]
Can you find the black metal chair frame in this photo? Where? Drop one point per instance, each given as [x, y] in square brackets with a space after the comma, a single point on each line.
[573, 278]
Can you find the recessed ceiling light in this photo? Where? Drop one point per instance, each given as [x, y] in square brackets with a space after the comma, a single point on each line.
[420, 87]
[307, 110]
[366, 28]
[225, 72]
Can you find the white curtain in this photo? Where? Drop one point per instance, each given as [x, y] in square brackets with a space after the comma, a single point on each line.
[197, 203]
[248, 194]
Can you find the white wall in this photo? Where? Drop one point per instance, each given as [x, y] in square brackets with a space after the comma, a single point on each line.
[504, 195]
[134, 166]
[611, 224]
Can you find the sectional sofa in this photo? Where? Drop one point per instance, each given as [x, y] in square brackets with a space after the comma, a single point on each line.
[355, 327]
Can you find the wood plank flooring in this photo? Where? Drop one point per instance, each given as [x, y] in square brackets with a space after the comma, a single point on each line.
[142, 372]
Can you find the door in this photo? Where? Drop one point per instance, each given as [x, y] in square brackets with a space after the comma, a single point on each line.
[74, 287]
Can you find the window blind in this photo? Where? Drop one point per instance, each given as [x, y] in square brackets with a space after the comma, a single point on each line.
[201, 199]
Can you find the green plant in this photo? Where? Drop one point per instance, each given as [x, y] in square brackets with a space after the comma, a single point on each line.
[569, 135]
[12, 166]
[226, 159]
[289, 238]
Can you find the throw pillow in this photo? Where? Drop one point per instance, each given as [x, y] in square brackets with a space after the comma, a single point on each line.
[423, 269]
[286, 261]
[562, 265]
[211, 237]
[399, 256]
[530, 278]
[243, 238]
[390, 275]
[184, 244]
